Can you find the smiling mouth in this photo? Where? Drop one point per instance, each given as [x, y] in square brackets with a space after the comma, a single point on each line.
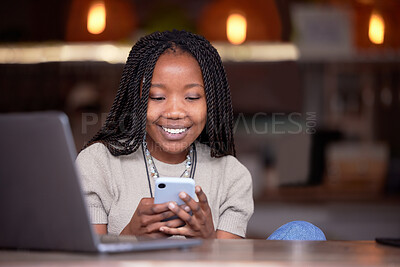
[174, 131]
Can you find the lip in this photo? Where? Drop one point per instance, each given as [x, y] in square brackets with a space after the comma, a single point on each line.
[173, 137]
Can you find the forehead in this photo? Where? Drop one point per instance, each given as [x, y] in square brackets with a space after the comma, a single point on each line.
[179, 60]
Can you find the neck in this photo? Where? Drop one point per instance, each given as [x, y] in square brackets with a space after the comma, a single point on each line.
[169, 158]
[164, 156]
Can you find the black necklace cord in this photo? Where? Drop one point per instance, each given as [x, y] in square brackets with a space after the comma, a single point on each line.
[193, 170]
[147, 171]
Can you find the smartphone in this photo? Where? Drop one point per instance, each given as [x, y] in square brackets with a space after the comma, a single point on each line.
[168, 189]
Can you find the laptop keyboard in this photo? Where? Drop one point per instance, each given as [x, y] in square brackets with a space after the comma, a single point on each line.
[109, 239]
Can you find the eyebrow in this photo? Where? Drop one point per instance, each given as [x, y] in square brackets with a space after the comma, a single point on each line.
[191, 85]
[187, 86]
[158, 85]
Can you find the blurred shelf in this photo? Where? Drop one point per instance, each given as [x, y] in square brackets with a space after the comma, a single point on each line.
[117, 53]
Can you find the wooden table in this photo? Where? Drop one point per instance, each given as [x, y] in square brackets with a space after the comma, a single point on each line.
[227, 253]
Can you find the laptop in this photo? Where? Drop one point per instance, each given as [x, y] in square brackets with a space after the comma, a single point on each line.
[41, 201]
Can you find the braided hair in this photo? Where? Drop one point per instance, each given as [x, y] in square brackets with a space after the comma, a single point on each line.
[125, 126]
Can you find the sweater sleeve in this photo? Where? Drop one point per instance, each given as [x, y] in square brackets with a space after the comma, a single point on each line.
[95, 180]
[237, 204]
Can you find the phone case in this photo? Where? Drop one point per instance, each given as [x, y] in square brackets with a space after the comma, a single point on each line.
[168, 189]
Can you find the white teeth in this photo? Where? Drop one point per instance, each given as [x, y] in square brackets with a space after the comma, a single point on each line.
[174, 131]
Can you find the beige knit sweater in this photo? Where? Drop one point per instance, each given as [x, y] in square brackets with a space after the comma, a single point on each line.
[115, 185]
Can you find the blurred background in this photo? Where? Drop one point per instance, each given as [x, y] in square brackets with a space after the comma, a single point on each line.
[315, 87]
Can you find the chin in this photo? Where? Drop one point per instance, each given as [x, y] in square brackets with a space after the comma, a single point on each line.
[176, 148]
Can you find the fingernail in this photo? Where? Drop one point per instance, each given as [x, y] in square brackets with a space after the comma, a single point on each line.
[182, 195]
[187, 209]
[198, 189]
[171, 205]
[162, 229]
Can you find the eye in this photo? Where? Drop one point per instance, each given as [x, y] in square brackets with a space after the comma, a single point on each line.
[158, 98]
[192, 98]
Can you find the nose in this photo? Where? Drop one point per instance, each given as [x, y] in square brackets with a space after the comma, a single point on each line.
[175, 109]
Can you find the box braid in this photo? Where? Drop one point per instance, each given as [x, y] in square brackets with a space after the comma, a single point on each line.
[125, 126]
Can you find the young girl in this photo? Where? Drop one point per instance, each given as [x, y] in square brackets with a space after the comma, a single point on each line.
[172, 117]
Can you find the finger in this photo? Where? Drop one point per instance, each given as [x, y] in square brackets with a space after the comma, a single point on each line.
[184, 231]
[167, 215]
[186, 208]
[151, 208]
[149, 219]
[155, 227]
[186, 217]
[160, 208]
[193, 205]
[202, 199]
[175, 223]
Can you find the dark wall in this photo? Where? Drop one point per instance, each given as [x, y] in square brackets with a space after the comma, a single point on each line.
[265, 86]
[33, 21]
[255, 87]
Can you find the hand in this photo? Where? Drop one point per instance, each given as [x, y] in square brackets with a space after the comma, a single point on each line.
[147, 220]
[200, 224]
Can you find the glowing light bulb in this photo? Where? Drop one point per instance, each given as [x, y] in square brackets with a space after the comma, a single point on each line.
[96, 21]
[376, 31]
[236, 28]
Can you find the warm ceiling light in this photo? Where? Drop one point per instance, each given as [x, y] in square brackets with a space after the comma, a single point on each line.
[236, 28]
[376, 28]
[96, 20]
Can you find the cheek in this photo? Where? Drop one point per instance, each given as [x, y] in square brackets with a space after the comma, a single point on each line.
[202, 114]
[152, 113]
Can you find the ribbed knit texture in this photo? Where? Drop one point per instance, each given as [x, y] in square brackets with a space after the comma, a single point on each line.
[115, 185]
